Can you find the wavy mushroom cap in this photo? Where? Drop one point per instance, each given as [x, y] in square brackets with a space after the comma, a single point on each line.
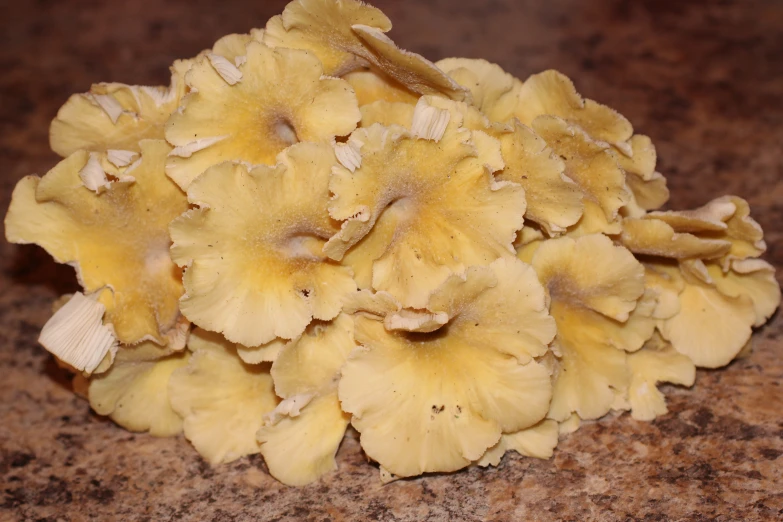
[221, 399]
[255, 270]
[300, 438]
[115, 116]
[420, 205]
[113, 227]
[595, 290]
[251, 112]
[436, 401]
[134, 391]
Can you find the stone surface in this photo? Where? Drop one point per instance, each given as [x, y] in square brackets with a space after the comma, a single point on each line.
[702, 78]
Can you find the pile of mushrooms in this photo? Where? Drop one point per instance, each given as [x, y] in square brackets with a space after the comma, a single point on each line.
[312, 229]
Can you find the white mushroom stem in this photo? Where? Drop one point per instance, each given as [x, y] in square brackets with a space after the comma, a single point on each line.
[76, 334]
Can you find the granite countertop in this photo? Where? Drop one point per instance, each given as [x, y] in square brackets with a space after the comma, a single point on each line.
[703, 78]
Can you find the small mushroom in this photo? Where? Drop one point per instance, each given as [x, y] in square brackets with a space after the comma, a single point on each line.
[299, 444]
[221, 400]
[251, 112]
[252, 250]
[116, 116]
[134, 391]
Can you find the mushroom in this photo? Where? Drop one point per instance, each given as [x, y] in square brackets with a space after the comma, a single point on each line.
[134, 391]
[299, 439]
[593, 166]
[552, 93]
[437, 401]
[251, 112]
[597, 300]
[221, 400]
[115, 116]
[656, 362]
[113, 228]
[538, 441]
[347, 35]
[648, 187]
[420, 204]
[252, 250]
[493, 91]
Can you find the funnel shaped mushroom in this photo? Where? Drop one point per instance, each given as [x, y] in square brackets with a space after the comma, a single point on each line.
[255, 270]
[300, 438]
[115, 116]
[593, 167]
[348, 34]
[416, 209]
[221, 399]
[594, 289]
[115, 234]
[251, 112]
[436, 401]
[134, 392]
[648, 187]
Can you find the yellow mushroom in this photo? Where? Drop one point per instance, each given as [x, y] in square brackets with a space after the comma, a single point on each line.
[596, 291]
[656, 362]
[221, 400]
[370, 87]
[251, 112]
[300, 437]
[134, 391]
[255, 270]
[113, 228]
[437, 401]
[421, 204]
[116, 117]
[347, 35]
[593, 166]
[538, 441]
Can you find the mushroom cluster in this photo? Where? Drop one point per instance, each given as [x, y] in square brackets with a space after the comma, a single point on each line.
[312, 229]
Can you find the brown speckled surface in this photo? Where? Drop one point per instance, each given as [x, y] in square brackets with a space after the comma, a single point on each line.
[703, 78]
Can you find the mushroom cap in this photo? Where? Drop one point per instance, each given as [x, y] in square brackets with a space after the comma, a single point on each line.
[493, 91]
[753, 278]
[554, 201]
[299, 444]
[552, 93]
[595, 290]
[324, 28]
[538, 441]
[253, 249]
[116, 116]
[277, 97]
[436, 401]
[593, 166]
[116, 235]
[421, 209]
[654, 237]
[134, 391]
[221, 399]
[347, 35]
[711, 328]
[656, 362]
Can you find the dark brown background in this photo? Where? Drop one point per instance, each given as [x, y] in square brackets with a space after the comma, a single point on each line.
[703, 78]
